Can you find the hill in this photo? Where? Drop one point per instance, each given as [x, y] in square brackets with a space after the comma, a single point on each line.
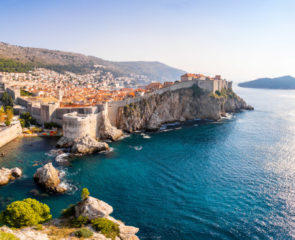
[284, 82]
[60, 61]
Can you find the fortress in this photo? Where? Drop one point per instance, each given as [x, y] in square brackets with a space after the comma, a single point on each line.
[81, 121]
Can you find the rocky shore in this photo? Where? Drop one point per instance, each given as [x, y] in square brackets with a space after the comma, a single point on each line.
[86, 214]
[7, 175]
[83, 145]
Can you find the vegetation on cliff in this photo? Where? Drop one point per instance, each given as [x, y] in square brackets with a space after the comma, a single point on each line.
[9, 65]
[106, 227]
[28, 212]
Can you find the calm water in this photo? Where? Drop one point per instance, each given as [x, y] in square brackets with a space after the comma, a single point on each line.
[233, 179]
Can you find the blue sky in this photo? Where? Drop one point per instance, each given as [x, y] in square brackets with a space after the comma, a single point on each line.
[240, 39]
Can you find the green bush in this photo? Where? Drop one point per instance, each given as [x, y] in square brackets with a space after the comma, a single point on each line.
[106, 227]
[85, 193]
[22, 122]
[218, 93]
[7, 99]
[28, 212]
[50, 125]
[7, 236]
[79, 222]
[197, 91]
[83, 233]
[68, 212]
[7, 122]
[28, 119]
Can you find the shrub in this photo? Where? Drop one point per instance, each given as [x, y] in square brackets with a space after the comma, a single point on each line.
[7, 236]
[79, 222]
[83, 232]
[106, 227]
[85, 193]
[68, 212]
[22, 122]
[50, 125]
[28, 212]
[217, 92]
[197, 91]
[7, 122]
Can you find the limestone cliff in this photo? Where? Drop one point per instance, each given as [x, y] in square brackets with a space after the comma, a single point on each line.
[179, 105]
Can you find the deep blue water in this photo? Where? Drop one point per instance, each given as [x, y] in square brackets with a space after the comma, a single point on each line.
[232, 179]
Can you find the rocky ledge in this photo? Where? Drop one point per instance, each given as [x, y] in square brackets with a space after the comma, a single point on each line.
[48, 178]
[93, 208]
[179, 105]
[7, 175]
[83, 145]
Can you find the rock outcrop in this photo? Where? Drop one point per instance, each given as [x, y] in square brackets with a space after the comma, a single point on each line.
[48, 178]
[88, 145]
[179, 105]
[93, 208]
[65, 142]
[7, 175]
[106, 130]
[82, 145]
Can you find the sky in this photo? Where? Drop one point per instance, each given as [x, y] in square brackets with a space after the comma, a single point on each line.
[239, 39]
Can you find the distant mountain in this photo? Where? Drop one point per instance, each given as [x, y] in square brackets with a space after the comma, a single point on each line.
[285, 82]
[79, 63]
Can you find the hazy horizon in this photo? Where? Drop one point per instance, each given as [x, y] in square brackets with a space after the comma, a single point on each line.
[237, 39]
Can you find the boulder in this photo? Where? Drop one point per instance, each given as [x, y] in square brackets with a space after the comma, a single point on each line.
[7, 175]
[93, 208]
[88, 145]
[48, 177]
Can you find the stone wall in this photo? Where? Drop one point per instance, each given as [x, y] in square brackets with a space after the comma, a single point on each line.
[77, 125]
[10, 133]
[13, 92]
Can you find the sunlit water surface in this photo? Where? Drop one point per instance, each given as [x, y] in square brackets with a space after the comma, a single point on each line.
[233, 179]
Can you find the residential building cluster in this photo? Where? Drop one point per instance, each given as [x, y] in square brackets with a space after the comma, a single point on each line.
[75, 90]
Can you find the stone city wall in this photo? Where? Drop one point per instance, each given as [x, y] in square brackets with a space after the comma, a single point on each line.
[10, 133]
[206, 85]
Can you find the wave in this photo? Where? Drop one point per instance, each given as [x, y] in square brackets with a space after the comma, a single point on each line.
[137, 148]
[145, 135]
[124, 136]
[62, 157]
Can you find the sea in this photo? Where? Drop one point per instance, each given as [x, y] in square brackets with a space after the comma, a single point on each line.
[227, 179]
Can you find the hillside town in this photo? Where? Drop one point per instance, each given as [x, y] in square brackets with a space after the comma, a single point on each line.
[72, 90]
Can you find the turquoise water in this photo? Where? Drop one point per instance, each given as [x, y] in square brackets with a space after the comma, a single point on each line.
[233, 179]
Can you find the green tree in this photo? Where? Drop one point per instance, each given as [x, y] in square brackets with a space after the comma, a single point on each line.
[85, 193]
[28, 212]
[22, 122]
[7, 99]
[7, 122]
[9, 113]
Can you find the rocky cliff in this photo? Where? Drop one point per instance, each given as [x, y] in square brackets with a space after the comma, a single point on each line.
[179, 105]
